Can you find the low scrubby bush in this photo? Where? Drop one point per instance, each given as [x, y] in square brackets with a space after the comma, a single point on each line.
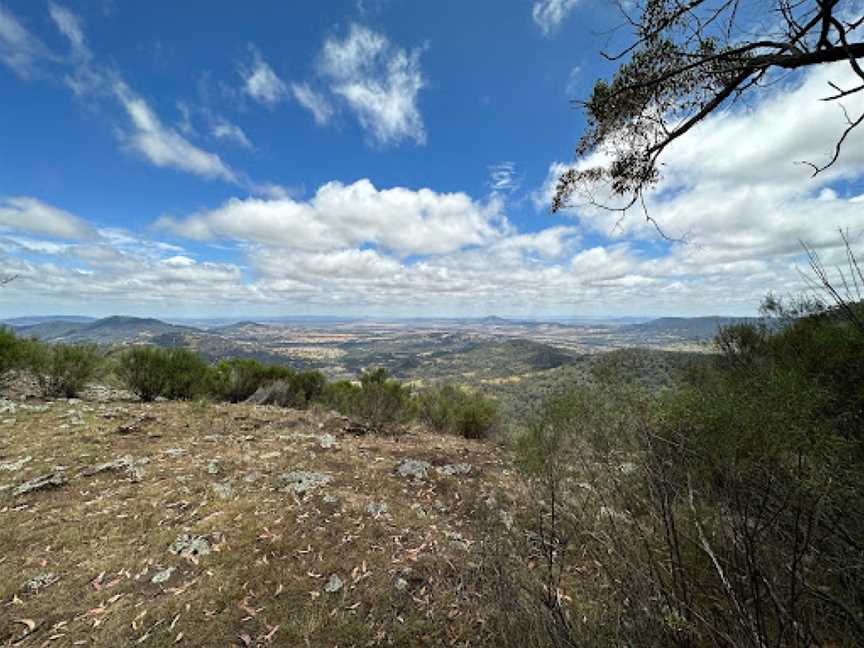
[237, 379]
[455, 411]
[379, 400]
[297, 390]
[145, 371]
[61, 369]
[188, 376]
[11, 351]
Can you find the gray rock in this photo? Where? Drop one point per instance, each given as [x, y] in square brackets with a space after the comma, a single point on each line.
[175, 452]
[40, 581]
[330, 499]
[213, 468]
[187, 545]
[302, 482]
[43, 482]
[252, 477]
[15, 466]
[376, 508]
[224, 490]
[132, 467]
[162, 576]
[333, 585]
[327, 441]
[453, 470]
[413, 468]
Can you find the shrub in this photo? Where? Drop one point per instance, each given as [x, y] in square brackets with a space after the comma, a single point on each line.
[187, 375]
[378, 400]
[145, 371]
[298, 391]
[11, 351]
[239, 378]
[456, 411]
[62, 369]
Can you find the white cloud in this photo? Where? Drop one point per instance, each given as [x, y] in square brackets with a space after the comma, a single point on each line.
[225, 130]
[379, 82]
[20, 50]
[339, 216]
[30, 215]
[260, 81]
[549, 14]
[163, 146]
[503, 178]
[70, 26]
[314, 102]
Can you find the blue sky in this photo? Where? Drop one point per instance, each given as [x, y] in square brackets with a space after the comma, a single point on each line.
[381, 157]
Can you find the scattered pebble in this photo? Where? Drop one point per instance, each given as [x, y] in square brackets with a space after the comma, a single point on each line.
[187, 545]
[413, 468]
[162, 576]
[333, 585]
[301, 482]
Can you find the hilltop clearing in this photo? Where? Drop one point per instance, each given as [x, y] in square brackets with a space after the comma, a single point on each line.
[200, 524]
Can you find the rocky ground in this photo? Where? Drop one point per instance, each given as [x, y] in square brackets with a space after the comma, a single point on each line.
[199, 524]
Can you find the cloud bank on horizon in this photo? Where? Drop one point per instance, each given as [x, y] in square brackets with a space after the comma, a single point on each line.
[387, 164]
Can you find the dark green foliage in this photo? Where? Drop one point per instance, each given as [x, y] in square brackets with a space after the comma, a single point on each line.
[188, 375]
[11, 351]
[61, 369]
[237, 379]
[145, 371]
[456, 411]
[731, 508]
[378, 400]
[296, 390]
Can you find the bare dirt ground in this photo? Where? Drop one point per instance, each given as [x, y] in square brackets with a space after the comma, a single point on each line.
[197, 524]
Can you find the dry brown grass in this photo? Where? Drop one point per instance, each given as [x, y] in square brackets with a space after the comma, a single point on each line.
[105, 536]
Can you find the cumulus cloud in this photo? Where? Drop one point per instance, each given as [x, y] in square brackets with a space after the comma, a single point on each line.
[20, 50]
[338, 216]
[32, 216]
[163, 146]
[260, 81]
[549, 14]
[380, 82]
[314, 102]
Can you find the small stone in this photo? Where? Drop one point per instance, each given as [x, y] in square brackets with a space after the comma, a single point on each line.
[301, 482]
[413, 468]
[40, 581]
[213, 468]
[162, 576]
[175, 452]
[376, 508]
[187, 545]
[15, 466]
[453, 470]
[401, 584]
[43, 482]
[252, 477]
[327, 441]
[333, 585]
[224, 490]
[330, 499]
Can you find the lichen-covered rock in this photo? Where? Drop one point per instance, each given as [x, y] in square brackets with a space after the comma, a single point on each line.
[327, 441]
[212, 468]
[187, 545]
[454, 470]
[376, 508]
[162, 576]
[134, 468]
[413, 468]
[15, 466]
[43, 482]
[40, 581]
[302, 482]
[224, 490]
[333, 584]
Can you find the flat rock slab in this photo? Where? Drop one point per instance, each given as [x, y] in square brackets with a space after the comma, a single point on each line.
[413, 468]
[15, 466]
[187, 545]
[43, 482]
[455, 470]
[301, 482]
[40, 582]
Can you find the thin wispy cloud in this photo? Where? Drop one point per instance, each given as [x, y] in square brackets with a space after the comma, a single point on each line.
[20, 50]
[315, 102]
[260, 81]
[549, 14]
[378, 81]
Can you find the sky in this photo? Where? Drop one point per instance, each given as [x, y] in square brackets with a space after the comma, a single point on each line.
[381, 158]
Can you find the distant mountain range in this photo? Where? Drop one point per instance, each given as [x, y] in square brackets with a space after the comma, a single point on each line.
[125, 330]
